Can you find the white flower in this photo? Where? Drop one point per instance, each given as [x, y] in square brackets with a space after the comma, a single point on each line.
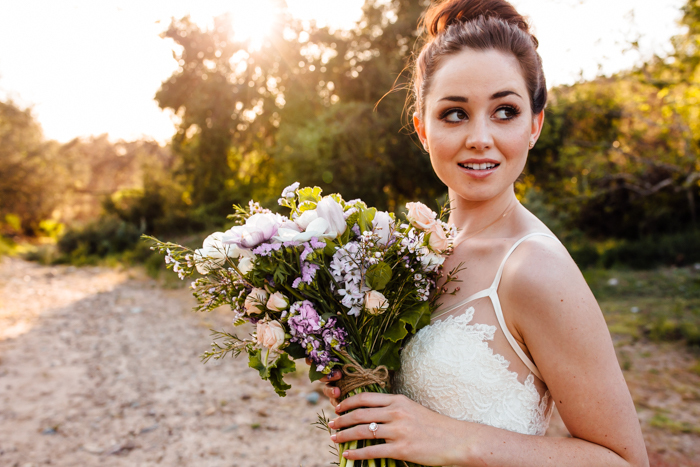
[257, 229]
[214, 252]
[306, 218]
[431, 261]
[255, 300]
[331, 211]
[290, 191]
[277, 302]
[375, 302]
[382, 225]
[245, 265]
[318, 228]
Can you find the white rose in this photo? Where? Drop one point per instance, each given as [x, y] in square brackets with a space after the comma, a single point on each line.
[318, 228]
[331, 211]
[277, 302]
[382, 225]
[375, 302]
[255, 300]
[270, 334]
[214, 252]
[420, 215]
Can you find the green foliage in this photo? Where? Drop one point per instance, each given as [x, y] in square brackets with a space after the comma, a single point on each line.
[410, 320]
[107, 236]
[378, 275]
[273, 371]
[661, 304]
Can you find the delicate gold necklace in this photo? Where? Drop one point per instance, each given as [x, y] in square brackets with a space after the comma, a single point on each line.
[508, 210]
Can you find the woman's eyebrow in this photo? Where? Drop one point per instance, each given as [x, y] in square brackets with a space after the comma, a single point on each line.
[495, 96]
[500, 94]
[455, 99]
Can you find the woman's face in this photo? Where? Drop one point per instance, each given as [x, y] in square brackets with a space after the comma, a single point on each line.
[478, 123]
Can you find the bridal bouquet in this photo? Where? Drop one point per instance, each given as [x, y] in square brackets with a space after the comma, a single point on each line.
[336, 282]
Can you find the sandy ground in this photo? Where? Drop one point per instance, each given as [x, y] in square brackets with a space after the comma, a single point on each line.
[100, 367]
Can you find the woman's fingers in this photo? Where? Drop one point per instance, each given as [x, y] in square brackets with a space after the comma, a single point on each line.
[360, 432]
[334, 375]
[365, 399]
[360, 416]
[378, 451]
[331, 392]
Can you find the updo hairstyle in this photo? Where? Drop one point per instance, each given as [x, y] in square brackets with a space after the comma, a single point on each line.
[453, 25]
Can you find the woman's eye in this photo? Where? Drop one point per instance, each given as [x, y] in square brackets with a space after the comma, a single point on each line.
[507, 113]
[455, 115]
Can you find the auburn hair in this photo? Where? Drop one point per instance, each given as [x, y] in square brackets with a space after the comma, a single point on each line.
[452, 25]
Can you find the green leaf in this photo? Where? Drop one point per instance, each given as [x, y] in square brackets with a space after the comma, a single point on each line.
[312, 194]
[282, 366]
[366, 218]
[410, 320]
[396, 331]
[295, 350]
[416, 317]
[388, 355]
[314, 375]
[255, 360]
[378, 275]
[329, 250]
[273, 371]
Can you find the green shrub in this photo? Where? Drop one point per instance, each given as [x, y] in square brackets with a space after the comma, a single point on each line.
[650, 252]
[98, 239]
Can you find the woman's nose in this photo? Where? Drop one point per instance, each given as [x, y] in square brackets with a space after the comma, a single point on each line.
[479, 137]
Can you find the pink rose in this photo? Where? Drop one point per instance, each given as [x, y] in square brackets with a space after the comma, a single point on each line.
[420, 215]
[277, 302]
[270, 334]
[255, 301]
[438, 240]
[375, 302]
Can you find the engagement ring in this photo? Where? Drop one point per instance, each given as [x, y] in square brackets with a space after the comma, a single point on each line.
[373, 427]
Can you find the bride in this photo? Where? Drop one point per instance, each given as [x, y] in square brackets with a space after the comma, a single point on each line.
[522, 331]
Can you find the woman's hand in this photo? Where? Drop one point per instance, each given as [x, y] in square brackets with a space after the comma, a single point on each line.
[330, 391]
[412, 432]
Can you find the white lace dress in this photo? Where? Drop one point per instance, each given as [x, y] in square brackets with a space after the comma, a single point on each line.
[450, 366]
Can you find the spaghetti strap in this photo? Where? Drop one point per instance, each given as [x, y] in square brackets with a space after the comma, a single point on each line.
[471, 298]
[499, 312]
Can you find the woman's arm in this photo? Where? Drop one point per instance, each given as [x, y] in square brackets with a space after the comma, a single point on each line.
[549, 306]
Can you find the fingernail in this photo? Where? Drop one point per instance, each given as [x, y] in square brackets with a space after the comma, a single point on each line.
[331, 424]
[336, 392]
[333, 438]
[345, 454]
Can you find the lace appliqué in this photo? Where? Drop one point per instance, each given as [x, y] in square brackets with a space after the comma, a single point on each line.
[449, 367]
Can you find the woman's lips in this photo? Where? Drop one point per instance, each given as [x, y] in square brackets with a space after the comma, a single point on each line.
[478, 173]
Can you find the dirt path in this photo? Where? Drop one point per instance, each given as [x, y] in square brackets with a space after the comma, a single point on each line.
[100, 367]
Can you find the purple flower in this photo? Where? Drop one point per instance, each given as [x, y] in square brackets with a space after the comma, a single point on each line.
[304, 320]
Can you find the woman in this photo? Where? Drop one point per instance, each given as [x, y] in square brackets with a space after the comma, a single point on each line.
[523, 330]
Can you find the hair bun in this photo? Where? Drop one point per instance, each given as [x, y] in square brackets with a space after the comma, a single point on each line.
[442, 15]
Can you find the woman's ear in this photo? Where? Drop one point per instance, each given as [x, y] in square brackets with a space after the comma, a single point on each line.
[537, 123]
[420, 129]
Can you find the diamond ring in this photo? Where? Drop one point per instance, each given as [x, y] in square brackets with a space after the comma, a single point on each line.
[373, 427]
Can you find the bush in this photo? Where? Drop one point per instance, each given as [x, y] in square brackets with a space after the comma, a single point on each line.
[669, 250]
[104, 237]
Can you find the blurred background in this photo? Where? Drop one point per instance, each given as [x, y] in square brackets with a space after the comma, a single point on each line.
[123, 118]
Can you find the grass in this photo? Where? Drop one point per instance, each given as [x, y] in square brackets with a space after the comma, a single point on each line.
[661, 304]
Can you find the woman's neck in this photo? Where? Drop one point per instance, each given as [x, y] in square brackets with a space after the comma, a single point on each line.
[472, 216]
